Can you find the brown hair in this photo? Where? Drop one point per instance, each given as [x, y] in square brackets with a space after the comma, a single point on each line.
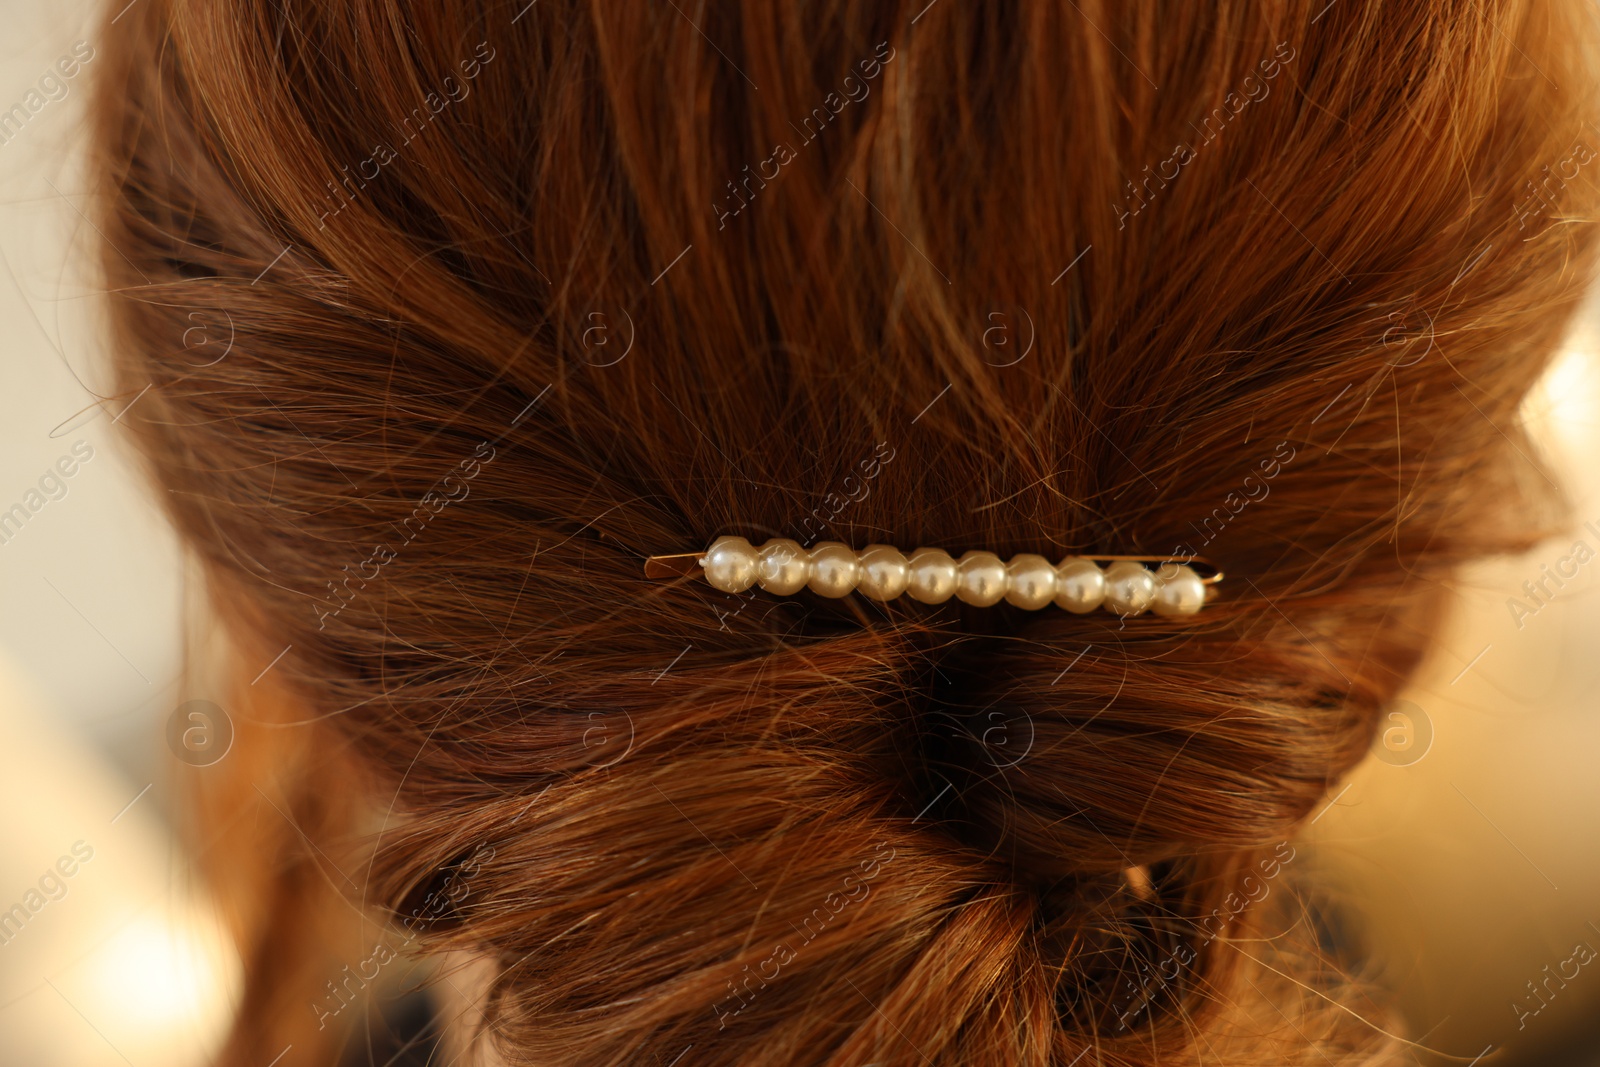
[443, 316]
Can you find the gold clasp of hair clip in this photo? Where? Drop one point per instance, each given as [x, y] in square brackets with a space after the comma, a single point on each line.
[677, 565]
[1078, 584]
[1212, 575]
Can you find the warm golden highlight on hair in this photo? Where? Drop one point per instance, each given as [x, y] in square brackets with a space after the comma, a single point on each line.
[497, 300]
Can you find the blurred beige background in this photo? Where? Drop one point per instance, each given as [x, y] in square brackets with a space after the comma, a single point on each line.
[1474, 858]
[95, 569]
[1467, 852]
[118, 962]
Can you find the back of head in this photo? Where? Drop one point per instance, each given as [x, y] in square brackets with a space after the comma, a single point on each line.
[497, 303]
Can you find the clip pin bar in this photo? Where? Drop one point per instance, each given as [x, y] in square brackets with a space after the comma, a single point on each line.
[687, 564]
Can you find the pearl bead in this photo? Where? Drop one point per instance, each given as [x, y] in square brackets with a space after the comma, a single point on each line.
[730, 564]
[1130, 588]
[834, 569]
[933, 576]
[784, 567]
[1032, 581]
[1080, 585]
[1181, 591]
[885, 572]
[981, 579]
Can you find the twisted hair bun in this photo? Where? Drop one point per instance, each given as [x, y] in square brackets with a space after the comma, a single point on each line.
[492, 304]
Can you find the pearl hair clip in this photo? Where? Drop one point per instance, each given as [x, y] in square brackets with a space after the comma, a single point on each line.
[931, 576]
